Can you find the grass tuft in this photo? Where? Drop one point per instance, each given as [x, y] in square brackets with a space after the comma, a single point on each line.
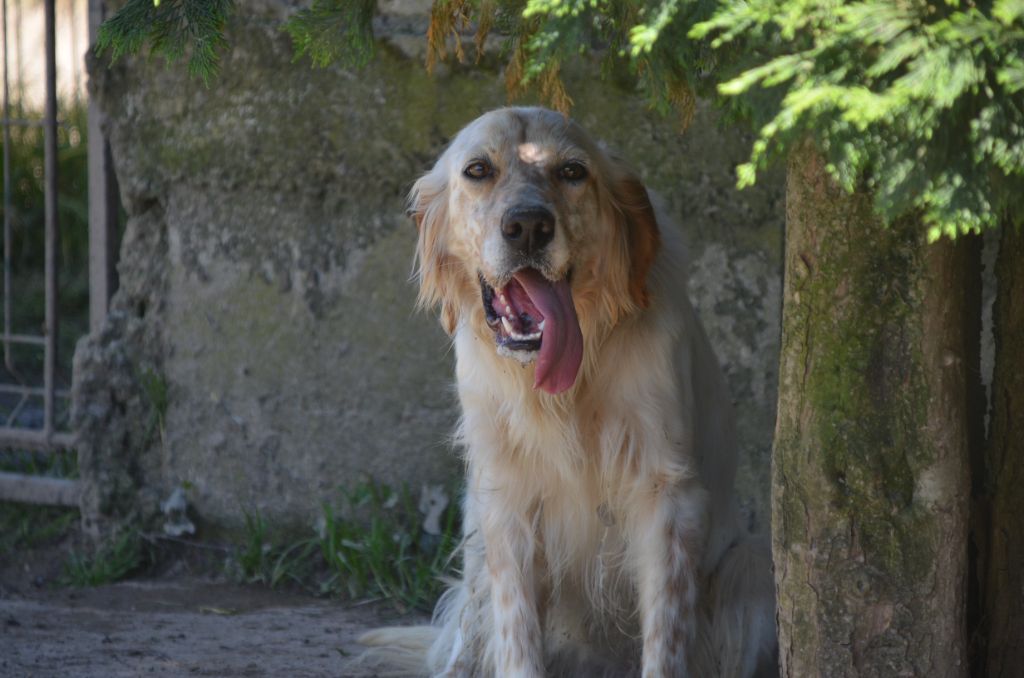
[25, 526]
[259, 561]
[28, 526]
[373, 545]
[110, 561]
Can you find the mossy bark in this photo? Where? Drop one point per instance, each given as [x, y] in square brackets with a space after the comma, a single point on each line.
[870, 477]
[1004, 584]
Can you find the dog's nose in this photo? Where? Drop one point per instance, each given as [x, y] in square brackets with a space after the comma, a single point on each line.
[528, 229]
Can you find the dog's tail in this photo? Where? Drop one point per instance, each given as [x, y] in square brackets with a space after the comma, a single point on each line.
[397, 650]
[739, 614]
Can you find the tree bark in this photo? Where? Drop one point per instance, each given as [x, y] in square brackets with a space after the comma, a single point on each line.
[1004, 583]
[870, 477]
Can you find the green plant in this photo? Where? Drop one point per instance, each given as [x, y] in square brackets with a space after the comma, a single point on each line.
[376, 547]
[920, 102]
[260, 561]
[121, 555]
[372, 545]
[172, 28]
[55, 463]
[330, 31]
[25, 526]
[155, 389]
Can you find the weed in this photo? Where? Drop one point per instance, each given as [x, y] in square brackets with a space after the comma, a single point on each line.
[261, 562]
[372, 546]
[26, 526]
[54, 464]
[155, 388]
[120, 556]
[376, 547]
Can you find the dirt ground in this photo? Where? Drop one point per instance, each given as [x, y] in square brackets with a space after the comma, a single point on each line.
[181, 627]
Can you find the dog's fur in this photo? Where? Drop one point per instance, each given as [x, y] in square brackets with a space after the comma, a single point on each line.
[601, 532]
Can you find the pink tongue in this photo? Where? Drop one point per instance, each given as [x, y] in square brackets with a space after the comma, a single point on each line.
[561, 349]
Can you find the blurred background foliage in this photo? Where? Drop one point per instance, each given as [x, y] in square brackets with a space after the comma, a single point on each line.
[27, 233]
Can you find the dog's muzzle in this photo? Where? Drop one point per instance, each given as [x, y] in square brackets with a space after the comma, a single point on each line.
[534, 318]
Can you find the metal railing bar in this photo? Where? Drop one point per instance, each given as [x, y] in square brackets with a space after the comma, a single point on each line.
[8, 361]
[34, 438]
[76, 72]
[14, 486]
[39, 490]
[23, 339]
[17, 410]
[21, 122]
[15, 389]
[52, 226]
[19, 75]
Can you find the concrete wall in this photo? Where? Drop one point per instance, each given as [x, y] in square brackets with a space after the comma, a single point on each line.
[263, 347]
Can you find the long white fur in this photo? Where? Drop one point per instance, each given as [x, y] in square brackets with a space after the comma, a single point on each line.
[601, 532]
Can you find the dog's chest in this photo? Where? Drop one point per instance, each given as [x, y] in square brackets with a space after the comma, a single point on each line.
[585, 560]
[580, 525]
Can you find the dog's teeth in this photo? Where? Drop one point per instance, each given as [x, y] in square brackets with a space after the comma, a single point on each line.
[525, 337]
[507, 324]
[541, 326]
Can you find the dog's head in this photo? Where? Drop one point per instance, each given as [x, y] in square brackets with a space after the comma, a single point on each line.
[536, 236]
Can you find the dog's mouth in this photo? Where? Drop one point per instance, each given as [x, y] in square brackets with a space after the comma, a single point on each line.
[534, 318]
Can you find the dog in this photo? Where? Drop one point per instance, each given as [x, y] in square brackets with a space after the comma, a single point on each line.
[601, 533]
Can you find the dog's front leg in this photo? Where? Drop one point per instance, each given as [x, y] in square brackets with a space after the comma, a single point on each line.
[510, 547]
[667, 538]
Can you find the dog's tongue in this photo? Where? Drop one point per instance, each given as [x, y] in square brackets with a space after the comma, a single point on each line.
[561, 349]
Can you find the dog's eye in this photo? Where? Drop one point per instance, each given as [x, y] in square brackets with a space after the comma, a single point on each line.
[573, 171]
[478, 169]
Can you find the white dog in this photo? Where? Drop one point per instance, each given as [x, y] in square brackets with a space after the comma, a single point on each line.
[602, 535]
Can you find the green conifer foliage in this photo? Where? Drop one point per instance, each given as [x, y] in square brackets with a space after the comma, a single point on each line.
[922, 103]
[171, 28]
[333, 31]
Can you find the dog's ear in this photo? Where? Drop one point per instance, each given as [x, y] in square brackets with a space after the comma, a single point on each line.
[642, 234]
[428, 206]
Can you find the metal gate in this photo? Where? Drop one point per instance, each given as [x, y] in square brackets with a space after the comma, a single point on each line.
[18, 389]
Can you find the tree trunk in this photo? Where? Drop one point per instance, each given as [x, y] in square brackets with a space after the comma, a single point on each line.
[1004, 583]
[870, 477]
